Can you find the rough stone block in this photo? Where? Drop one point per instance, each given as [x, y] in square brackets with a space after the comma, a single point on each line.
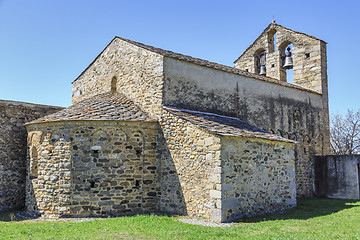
[215, 194]
[231, 203]
[208, 141]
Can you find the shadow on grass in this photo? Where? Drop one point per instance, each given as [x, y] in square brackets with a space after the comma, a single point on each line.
[308, 208]
[15, 215]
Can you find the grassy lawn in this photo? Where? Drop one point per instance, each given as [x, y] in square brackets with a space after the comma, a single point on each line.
[313, 219]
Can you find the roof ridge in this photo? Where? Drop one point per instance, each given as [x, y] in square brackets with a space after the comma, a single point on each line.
[204, 63]
[217, 66]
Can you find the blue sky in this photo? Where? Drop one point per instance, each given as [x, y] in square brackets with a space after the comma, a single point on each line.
[45, 45]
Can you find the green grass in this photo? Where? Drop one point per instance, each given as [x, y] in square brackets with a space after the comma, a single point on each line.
[313, 219]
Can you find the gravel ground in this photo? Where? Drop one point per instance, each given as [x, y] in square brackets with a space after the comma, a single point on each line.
[23, 216]
[204, 222]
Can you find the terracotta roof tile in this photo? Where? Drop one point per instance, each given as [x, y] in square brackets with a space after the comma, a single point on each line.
[224, 125]
[107, 106]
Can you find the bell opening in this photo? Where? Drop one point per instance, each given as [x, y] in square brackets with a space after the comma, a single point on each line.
[260, 62]
[288, 60]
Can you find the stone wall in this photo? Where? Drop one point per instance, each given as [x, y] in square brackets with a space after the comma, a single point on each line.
[258, 176]
[92, 168]
[151, 80]
[190, 162]
[289, 112]
[135, 72]
[13, 149]
[338, 176]
[308, 53]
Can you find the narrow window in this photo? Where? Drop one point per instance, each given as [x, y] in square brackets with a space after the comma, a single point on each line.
[272, 40]
[286, 62]
[260, 61]
[290, 72]
[113, 84]
[33, 163]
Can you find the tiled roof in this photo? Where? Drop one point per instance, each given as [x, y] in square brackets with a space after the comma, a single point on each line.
[204, 63]
[107, 106]
[34, 105]
[224, 125]
[213, 65]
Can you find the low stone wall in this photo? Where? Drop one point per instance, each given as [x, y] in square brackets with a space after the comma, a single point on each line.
[337, 176]
[13, 149]
[190, 160]
[92, 168]
[258, 176]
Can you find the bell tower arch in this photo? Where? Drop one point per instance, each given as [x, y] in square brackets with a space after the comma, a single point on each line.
[308, 55]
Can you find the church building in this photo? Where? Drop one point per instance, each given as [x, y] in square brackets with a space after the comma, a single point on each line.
[152, 130]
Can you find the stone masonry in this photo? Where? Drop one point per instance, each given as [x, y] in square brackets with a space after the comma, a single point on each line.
[153, 130]
[13, 134]
[258, 177]
[220, 172]
[95, 158]
[305, 124]
[92, 168]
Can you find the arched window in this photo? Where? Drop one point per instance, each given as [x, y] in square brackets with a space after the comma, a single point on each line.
[113, 84]
[287, 73]
[260, 61]
[33, 163]
[272, 40]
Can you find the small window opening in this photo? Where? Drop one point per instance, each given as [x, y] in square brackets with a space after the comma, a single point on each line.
[260, 62]
[272, 40]
[113, 84]
[290, 72]
[34, 163]
[287, 62]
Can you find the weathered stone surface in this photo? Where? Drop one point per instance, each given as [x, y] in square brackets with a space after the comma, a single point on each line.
[296, 114]
[86, 173]
[131, 70]
[337, 176]
[260, 176]
[309, 125]
[187, 166]
[198, 159]
[13, 149]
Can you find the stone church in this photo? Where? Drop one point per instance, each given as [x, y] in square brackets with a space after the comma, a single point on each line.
[152, 130]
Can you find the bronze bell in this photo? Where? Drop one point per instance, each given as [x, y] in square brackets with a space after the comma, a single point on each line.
[288, 60]
[262, 63]
[262, 70]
